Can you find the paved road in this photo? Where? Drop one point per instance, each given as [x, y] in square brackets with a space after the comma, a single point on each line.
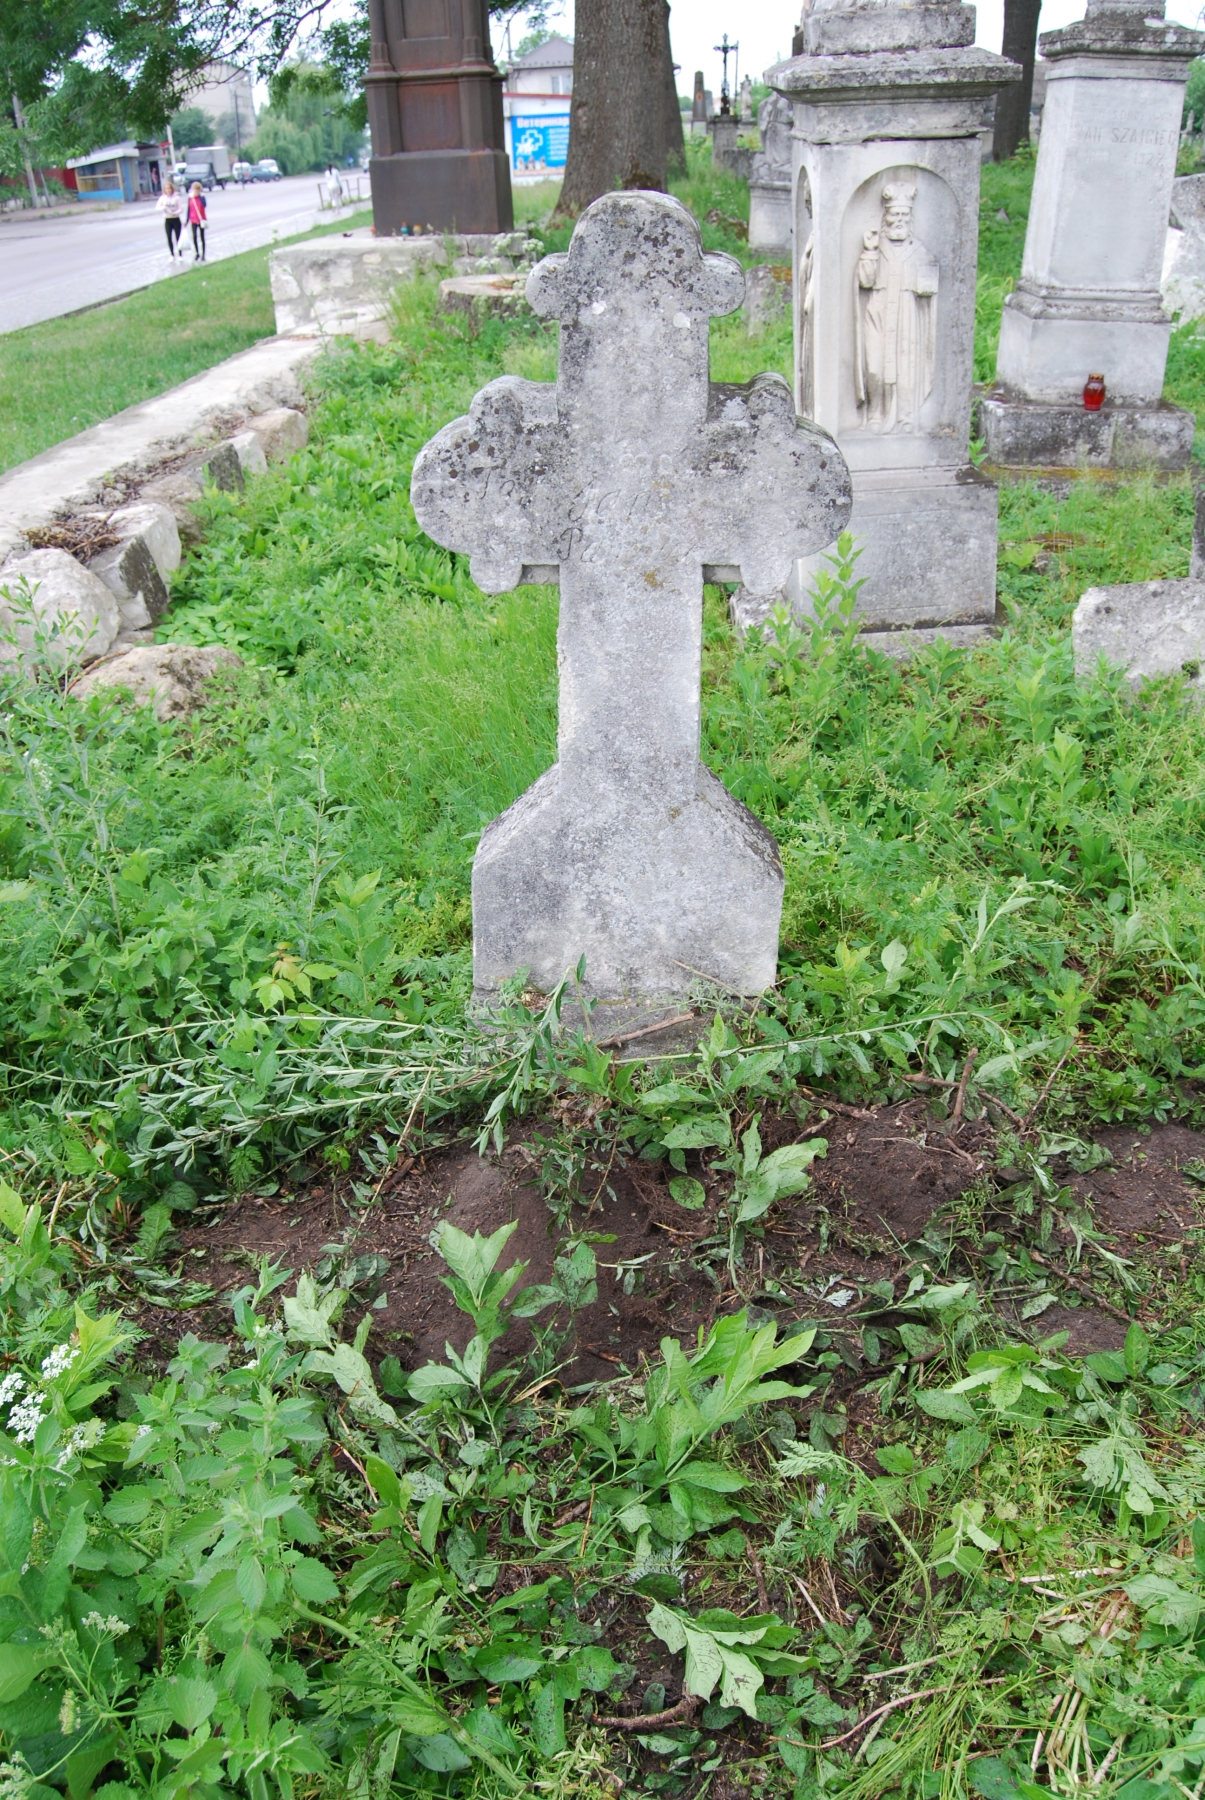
[57, 265]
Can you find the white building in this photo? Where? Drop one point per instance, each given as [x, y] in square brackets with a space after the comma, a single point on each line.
[535, 106]
[225, 93]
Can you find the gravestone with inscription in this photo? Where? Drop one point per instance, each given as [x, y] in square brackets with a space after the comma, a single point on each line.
[629, 481]
[889, 101]
[1088, 300]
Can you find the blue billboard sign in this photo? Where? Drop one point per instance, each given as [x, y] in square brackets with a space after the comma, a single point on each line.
[540, 143]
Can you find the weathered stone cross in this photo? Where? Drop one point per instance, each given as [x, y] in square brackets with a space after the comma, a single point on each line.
[633, 477]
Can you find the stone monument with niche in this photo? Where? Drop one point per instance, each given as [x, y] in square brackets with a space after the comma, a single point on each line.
[630, 481]
[770, 223]
[435, 117]
[889, 101]
[1088, 300]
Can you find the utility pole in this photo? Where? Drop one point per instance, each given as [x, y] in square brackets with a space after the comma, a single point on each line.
[19, 122]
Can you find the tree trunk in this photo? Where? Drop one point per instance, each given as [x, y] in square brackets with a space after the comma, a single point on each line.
[617, 127]
[1012, 103]
[675, 144]
[19, 121]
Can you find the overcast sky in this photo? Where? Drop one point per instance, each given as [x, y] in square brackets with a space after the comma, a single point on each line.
[763, 29]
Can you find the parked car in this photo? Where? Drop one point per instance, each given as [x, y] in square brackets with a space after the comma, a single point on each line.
[266, 170]
[241, 172]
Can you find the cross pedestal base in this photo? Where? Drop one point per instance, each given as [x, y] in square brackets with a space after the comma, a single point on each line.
[1038, 434]
[656, 897]
[929, 557]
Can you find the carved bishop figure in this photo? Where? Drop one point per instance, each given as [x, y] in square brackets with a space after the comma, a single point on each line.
[896, 324]
[627, 480]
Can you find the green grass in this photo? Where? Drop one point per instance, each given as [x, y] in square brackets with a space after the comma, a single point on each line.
[394, 710]
[58, 378]
[1004, 188]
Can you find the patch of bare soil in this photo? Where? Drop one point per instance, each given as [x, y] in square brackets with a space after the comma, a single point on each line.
[888, 1173]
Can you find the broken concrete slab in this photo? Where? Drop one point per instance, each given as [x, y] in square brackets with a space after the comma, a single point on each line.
[51, 605]
[249, 449]
[479, 294]
[173, 678]
[336, 286]
[156, 526]
[282, 432]
[1147, 628]
[178, 493]
[128, 570]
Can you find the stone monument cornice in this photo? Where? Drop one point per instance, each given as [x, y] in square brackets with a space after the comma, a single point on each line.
[921, 74]
[1123, 34]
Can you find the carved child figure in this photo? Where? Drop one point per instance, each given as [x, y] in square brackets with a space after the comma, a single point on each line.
[895, 317]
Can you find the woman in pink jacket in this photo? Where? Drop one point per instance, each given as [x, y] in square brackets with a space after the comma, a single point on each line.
[196, 218]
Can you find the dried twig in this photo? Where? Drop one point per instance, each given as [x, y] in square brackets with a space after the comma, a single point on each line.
[889, 1706]
[803, 1590]
[763, 1598]
[960, 1098]
[1038, 1104]
[673, 1715]
[853, 1112]
[628, 1037]
[1081, 1287]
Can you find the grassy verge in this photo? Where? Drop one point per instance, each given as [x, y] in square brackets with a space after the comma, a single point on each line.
[234, 959]
[60, 377]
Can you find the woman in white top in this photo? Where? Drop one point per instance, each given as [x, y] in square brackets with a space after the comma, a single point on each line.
[171, 205]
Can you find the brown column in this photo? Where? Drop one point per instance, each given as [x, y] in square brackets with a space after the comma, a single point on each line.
[434, 106]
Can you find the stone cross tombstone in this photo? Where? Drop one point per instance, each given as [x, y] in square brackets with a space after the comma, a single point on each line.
[630, 481]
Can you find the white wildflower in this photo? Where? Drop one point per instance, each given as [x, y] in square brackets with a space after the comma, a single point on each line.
[67, 1714]
[114, 1626]
[10, 1387]
[26, 1416]
[60, 1358]
[143, 1430]
[75, 1442]
[16, 1779]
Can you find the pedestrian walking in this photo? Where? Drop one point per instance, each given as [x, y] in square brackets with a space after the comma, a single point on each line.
[197, 220]
[171, 205]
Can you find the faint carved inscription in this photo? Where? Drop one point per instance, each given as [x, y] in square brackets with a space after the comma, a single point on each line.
[895, 317]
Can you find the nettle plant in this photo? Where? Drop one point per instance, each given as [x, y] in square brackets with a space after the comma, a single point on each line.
[195, 1602]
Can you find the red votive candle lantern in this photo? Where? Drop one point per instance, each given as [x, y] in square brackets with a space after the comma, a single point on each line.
[1094, 393]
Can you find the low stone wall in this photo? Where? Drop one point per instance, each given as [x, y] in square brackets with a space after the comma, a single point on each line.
[91, 530]
[110, 462]
[343, 286]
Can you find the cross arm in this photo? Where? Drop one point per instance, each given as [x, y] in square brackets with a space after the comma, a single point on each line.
[777, 487]
[485, 485]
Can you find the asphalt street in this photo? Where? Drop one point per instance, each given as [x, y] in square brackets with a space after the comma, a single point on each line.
[58, 265]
